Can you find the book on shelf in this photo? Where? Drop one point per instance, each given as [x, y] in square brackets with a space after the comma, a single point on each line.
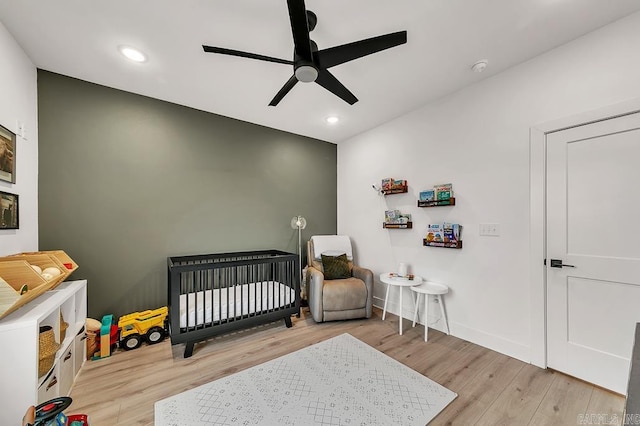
[387, 184]
[451, 232]
[435, 232]
[443, 191]
[428, 195]
[445, 232]
[391, 184]
[390, 216]
[405, 217]
[396, 217]
[399, 184]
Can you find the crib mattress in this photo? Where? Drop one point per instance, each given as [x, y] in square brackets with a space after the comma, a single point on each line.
[233, 302]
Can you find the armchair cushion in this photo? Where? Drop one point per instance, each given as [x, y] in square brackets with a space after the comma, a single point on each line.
[336, 267]
[344, 295]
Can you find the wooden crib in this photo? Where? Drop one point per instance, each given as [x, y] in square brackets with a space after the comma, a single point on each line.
[213, 294]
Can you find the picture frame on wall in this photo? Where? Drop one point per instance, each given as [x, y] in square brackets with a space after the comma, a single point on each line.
[7, 155]
[9, 212]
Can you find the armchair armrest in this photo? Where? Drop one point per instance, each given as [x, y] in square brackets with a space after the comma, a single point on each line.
[367, 276]
[316, 281]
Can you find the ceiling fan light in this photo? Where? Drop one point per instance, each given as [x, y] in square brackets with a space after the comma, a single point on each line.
[306, 74]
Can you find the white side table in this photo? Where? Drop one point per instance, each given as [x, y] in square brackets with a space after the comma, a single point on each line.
[428, 288]
[400, 283]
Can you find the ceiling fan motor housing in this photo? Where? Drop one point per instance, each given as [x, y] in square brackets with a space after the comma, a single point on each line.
[304, 70]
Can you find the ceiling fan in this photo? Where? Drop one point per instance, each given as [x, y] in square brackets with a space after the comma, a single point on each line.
[312, 65]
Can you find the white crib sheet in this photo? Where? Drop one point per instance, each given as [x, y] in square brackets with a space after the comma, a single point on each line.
[242, 301]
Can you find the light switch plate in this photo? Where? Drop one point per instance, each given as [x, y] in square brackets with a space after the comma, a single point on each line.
[489, 229]
[22, 130]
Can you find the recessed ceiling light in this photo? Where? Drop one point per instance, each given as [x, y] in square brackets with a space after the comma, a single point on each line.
[133, 54]
[480, 65]
[332, 119]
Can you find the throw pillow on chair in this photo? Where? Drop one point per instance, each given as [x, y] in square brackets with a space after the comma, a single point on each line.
[336, 267]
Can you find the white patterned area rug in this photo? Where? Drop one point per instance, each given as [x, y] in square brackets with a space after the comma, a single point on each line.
[341, 381]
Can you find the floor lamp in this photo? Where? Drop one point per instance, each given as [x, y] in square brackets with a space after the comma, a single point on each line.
[299, 223]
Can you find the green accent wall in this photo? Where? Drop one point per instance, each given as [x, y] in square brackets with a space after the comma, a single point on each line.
[126, 181]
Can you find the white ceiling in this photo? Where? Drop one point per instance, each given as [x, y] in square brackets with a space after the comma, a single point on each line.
[79, 38]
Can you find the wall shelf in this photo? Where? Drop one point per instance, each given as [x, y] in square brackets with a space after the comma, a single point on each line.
[443, 244]
[395, 190]
[407, 225]
[437, 203]
[393, 186]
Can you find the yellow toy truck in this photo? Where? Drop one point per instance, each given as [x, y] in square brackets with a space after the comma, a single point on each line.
[147, 325]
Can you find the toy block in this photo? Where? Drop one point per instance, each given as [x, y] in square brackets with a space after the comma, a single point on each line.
[105, 336]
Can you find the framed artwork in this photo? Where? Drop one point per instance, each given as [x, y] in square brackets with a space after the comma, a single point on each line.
[9, 214]
[7, 155]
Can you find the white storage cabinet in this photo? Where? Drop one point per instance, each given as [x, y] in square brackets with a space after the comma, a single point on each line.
[21, 386]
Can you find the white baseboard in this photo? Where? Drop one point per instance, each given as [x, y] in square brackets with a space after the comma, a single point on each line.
[435, 322]
[491, 341]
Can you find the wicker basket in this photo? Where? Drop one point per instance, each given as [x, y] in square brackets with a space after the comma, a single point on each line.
[47, 348]
[63, 328]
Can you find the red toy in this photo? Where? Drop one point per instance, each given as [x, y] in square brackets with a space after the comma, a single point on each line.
[113, 338]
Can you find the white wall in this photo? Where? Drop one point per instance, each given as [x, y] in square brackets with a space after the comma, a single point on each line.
[18, 85]
[478, 139]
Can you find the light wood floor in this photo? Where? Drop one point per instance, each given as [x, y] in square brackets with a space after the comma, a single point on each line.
[493, 389]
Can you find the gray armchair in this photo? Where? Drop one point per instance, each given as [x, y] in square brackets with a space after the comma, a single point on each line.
[337, 299]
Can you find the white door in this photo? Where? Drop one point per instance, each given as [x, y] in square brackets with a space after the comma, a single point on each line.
[593, 228]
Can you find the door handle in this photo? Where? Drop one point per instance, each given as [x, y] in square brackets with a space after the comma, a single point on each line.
[557, 263]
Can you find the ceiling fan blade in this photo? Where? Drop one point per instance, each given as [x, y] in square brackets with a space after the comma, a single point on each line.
[285, 89]
[231, 52]
[329, 82]
[300, 29]
[333, 56]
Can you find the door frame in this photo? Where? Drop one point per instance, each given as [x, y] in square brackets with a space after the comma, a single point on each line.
[537, 214]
